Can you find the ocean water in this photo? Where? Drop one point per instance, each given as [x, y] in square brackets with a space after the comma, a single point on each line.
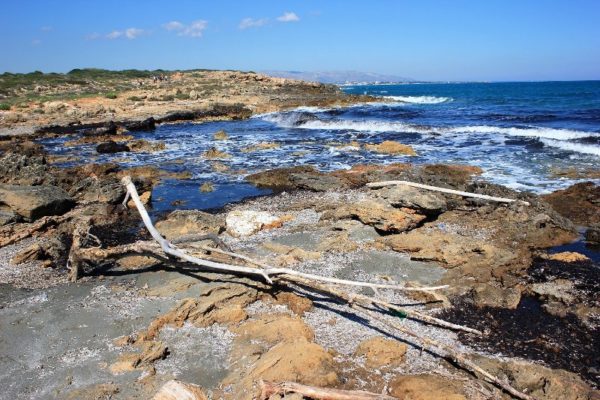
[535, 137]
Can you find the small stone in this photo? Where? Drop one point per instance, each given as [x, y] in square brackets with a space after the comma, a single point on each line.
[207, 187]
[221, 135]
[248, 222]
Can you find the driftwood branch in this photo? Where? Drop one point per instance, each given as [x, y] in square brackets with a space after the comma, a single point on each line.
[270, 388]
[445, 190]
[265, 273]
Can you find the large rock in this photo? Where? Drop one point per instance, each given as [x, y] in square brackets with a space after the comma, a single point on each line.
[378, 214]
[33, 202]
[382, 353]
[299, 177]
[248, 222]
[592, 235]
[410, 197]
[391, 147]
[112, 147]
[149, 124]
[580, 203]
[187, 222]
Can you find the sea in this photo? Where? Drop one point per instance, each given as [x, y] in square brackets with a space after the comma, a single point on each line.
[529, 136]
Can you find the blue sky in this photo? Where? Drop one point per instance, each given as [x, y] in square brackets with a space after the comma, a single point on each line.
[422, 39]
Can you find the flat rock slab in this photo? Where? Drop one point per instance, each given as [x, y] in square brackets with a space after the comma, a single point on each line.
[33, 202]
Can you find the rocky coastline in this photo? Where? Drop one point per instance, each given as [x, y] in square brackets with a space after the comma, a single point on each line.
[138, 327]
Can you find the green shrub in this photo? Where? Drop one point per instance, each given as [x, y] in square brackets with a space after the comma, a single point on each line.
[111, 95]
[4, 106]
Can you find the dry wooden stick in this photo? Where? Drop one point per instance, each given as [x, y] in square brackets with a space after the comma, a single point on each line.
[444, 190]
[438, 348]
[38, 226]
[173, 251]
[364, 299]
[270, 388]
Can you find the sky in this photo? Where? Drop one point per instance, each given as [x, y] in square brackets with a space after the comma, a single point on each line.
[458, 40]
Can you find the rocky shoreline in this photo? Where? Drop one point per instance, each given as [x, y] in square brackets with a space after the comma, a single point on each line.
[133, 326]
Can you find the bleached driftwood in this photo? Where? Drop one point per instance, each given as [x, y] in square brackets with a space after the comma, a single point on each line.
[171, 250]
[445, 190]
[318, 393]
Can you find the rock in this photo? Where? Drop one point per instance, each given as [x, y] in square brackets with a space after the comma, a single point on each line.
[580, 203]
[185, 222]
[292, 255]
[24, 170]
[340, 243]
[592, 235]
[426, 387]
[214, 153]
[298, 304]
[565, 256]
[391, 147]
[406, 196]
[490, 296]
[149, 124]
[557, 290]
[112, 147]
[108, 129]
[377, 214]
[104, 190]
[280, 178]
[145, 197]
[381, 353]
[8, 217]
[207, 187]
[274, 328]
[248, 222]
[177, 390]
[146, 146]
[93, 392]
[33, 202]
[219, 167]
[194, 95]
[538, 381]
[221, 135]
[29, 254]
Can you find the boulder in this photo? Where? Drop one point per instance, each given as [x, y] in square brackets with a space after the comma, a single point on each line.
[580, 203]
[248, 222]
[221, 135]
[33, 202]
[177, 390]
[149, 124]
[107, 130]
[485, 295]
[391, 147]
[426, 387]
[112, 147]
[146, 146]
[8, 217]
[377, 214]
[207, 187]
[214, 153]
[381, 353]
[186, 222]
[410, 197]
[592, 235]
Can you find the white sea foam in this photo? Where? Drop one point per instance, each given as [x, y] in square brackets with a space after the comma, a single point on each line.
[419, 99]
[364, 126]
[538, 132]
[573, 146]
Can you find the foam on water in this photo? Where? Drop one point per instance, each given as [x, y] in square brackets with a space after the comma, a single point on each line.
[538, 132]
[419, 99]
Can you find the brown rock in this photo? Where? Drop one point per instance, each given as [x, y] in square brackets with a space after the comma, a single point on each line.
[382, 353]
[298, 304]
[145, 197]
[146, 146]
[33, 202]
[221, 135]
[274, 328]
[214, 153]
[413, 198]
[261, 146]
[426, 387]
[207, 187]
[377, 214]
[391, 147]
[490, 296]
[566, 256]
[185, 222]
[580, 203]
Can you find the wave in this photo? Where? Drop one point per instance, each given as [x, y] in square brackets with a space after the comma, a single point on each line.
[364, 126]
[573, 146]
[419, 99]
[537, 132]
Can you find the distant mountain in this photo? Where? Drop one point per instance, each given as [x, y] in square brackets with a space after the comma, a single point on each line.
[339, 77]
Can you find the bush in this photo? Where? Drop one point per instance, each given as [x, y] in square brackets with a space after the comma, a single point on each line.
[4, 106]
[111, 96]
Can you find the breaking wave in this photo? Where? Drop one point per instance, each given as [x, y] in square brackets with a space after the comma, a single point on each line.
[537, 132]
[419, 99]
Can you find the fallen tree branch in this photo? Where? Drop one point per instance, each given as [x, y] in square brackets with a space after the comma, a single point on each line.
[268, 389]
[40, 225]
[444, 190]
[266, 273]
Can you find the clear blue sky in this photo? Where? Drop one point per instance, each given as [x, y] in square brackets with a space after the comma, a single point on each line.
[422, 39]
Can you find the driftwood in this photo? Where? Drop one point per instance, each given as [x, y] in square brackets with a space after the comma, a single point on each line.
[268, 389]
[40, 225]
[308, 280]
[444, 190]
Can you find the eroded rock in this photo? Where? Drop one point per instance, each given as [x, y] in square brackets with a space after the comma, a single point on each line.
[187, 222]
[33, 202]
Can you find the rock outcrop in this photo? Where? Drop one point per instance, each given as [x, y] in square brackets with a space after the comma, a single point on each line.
[33, 202]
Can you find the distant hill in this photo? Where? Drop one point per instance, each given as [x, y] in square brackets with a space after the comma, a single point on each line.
[339, 77]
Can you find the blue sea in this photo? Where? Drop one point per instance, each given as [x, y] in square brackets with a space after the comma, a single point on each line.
[535, 137]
